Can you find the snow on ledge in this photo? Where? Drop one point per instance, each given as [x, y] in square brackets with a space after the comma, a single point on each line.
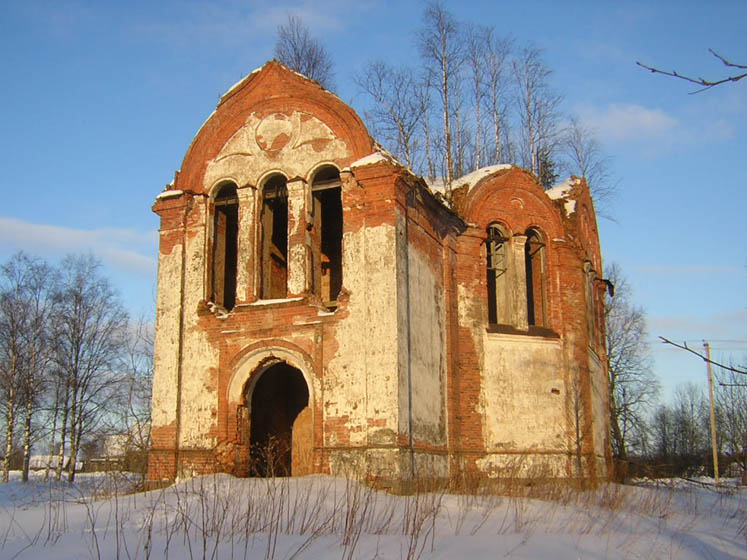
[371, 159]
[561, 192]
[438, 184]
[471, 179]
[169, 194]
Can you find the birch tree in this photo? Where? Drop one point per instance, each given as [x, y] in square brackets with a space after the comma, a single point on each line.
[399, 106]
[89, 333]
[38, 350]
[537, 108]
[441, 51]
[12, 325]
[497, 52]
[25, 348]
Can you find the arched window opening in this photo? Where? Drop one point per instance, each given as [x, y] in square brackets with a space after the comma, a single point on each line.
[534, 257]
[326, 235]
[497, 268]
[274, 235]
[225, 246]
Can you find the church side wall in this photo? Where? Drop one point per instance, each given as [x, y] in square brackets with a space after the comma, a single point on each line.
[423, 350]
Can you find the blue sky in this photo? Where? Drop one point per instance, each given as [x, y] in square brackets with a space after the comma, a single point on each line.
[101, 99]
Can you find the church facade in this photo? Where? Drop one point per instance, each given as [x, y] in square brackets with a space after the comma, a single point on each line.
[321, 310]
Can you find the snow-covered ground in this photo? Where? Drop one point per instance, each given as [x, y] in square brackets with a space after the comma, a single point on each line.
[322, 517]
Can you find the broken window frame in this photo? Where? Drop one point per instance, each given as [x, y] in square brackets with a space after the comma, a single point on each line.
[496, 271]
[273, 235]
[536, 289]
[591, 304]
[224, 257]
[326, 230]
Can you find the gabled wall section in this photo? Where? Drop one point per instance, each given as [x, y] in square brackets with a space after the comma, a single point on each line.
[538, 388]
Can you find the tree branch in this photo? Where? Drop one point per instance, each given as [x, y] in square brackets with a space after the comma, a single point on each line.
[707, 84]
[684, 346]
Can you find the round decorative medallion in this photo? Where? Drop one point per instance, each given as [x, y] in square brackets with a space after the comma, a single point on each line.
[274, 132]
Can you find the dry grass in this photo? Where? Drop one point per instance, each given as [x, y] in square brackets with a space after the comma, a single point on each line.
[223, 517]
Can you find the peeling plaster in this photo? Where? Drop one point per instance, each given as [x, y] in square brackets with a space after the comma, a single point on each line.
[294, 143]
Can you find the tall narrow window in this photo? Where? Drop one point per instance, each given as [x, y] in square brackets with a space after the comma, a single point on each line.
[274, 225]
[534, 252]
[225, 236]
[591, 323]
[326, 235]
[497, 268]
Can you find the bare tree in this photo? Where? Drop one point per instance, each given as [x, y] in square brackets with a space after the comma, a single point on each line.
[89, 330]
[38, 349]
[400, 105]
[12, 325]
[537, 108]
[496, 52]
[585, 157]
[632, 384]
[692, 438]
[306, 55]
[706, 83]
[441, 50]
[731, 402]
[477, 38]
[131, 403]
[663, 429]
[25, 303]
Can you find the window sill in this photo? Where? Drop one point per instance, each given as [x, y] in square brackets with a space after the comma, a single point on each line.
[537, 331]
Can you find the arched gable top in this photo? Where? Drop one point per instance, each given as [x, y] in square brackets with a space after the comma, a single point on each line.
[273, 118]
[511, 196]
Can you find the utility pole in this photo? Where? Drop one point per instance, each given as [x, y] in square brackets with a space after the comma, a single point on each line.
[713, 415]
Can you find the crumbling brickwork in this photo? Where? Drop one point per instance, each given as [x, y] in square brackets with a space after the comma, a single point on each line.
[320, 309]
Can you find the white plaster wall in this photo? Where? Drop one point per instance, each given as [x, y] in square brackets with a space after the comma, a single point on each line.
[360, 381]
[166, 348]
[427, 349]
[519, 407]
[199, 399]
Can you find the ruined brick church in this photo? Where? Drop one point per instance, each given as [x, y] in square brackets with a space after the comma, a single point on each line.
[321, 310]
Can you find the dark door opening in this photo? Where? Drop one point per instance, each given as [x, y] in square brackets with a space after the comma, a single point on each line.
[278, 397]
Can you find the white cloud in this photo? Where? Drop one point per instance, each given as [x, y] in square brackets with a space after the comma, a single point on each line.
[127, 250]
[626, 121]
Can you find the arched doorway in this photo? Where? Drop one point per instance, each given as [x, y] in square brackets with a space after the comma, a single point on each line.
[280, 422]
